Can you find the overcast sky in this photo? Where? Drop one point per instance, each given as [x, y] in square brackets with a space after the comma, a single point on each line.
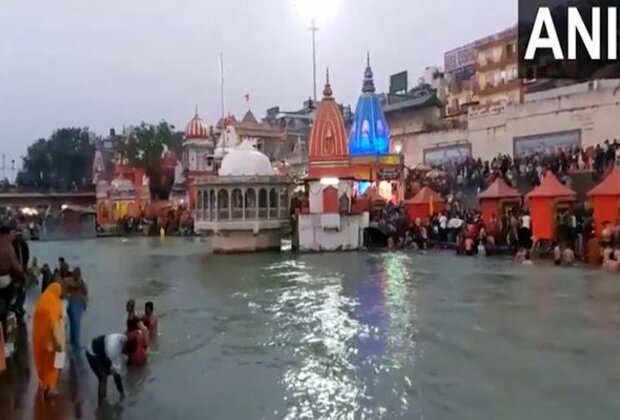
[105, 63]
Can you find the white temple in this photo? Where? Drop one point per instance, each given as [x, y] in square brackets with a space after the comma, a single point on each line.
[245, 207]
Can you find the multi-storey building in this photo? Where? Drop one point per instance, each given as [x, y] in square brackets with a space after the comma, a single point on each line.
[482, 72]
[496, 77]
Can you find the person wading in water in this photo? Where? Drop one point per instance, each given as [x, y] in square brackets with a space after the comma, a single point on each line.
[78, 298]
[130, 308]
[106, 356]
[137, 343]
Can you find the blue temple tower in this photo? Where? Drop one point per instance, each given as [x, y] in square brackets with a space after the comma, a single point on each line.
[370, 134]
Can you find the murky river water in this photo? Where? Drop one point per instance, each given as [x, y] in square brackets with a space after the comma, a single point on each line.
[348, 335]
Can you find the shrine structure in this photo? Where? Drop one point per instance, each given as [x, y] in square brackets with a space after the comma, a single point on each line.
[369, 144]
[606, 200]
[246, 206]
[126, 195]
[329, 222]
[545, 202]
[197, 159]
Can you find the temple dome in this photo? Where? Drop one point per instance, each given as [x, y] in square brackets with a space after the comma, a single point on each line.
[245, 160]
[370, 134]
[196, 129]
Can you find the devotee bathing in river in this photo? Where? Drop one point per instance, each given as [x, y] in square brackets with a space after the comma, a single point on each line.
[48, 337]
[47, 277]
[150, 319]
[77, 293]
[106, 357]
[130, 308]
[137, 343]
[568, 256]
[63, 268]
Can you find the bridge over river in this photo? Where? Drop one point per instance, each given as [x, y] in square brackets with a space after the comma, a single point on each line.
[54, 200]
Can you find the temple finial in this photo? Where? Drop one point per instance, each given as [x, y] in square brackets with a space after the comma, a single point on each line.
[196, 110]
[369, 83]
[327, 91]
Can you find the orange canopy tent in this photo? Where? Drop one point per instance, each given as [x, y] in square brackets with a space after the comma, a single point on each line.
[494, 197]
[542, 202]
[424, 204]
[606, 200]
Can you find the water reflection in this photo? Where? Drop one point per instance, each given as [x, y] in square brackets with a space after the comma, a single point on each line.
[310, 320]
[348, 335]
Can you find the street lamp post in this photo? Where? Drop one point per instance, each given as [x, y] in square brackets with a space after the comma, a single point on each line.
[313, 28]
[315, 11]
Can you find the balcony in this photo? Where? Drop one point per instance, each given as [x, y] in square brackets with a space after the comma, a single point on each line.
[505, 86]
[505, 60]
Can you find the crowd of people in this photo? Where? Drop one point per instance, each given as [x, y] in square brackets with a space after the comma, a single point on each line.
[469, 173]
[461, 225]
[63, 300]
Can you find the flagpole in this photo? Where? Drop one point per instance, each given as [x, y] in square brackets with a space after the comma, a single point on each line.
[222, 82]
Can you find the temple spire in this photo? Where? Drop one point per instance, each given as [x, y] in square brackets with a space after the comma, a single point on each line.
[196, 110]
[369, 83]
[327, 90]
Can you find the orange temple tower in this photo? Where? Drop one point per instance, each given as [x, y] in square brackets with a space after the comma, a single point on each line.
[328, 153]
[329, 224]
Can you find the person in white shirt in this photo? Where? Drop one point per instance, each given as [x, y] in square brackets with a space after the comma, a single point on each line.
[525, 231]
[443, 228]
[107, 356]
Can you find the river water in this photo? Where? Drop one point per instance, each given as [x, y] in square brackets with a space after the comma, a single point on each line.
[340, 336]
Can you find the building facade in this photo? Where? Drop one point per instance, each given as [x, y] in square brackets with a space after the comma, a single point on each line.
[496, 70]
[246, 207]
[476, 69]
[582, 115]
[420, 112]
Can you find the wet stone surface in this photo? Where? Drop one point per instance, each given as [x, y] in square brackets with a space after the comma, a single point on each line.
[348, 335]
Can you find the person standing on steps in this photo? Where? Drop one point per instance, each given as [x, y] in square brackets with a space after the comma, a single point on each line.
[77, 300]
[48, 337]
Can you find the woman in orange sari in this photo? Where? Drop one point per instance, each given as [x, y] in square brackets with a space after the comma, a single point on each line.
[48, 336]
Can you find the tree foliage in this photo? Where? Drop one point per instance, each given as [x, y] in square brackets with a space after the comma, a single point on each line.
[61, 162]
[144, 147]
[64, 161]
